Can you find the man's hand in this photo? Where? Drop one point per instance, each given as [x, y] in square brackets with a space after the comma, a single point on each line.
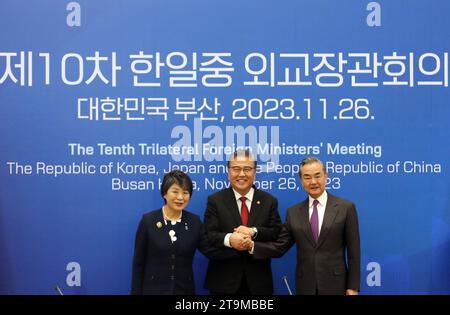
[248, 244]
[351, 292]
[245, 230]
[237, 241]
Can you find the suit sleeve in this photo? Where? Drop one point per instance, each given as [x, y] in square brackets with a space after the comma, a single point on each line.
[212, 224]
[270, 231]
[213, 252]
[277, 248]
[353, 249]
[140, 245]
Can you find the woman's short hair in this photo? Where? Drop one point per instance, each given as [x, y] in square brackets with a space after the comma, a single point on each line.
[176, 177]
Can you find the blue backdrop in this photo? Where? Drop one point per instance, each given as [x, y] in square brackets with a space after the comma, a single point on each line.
[96, 97]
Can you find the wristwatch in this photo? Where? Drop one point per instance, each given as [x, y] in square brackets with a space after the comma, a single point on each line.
[256, 232]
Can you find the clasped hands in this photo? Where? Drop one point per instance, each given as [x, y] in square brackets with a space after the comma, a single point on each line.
[241, 238]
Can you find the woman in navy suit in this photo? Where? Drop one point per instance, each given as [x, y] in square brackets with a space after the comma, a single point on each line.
[166, 240]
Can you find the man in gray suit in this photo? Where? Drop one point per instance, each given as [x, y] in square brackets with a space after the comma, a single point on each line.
[325, 231]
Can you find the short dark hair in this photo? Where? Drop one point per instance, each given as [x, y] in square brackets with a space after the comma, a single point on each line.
[176, 177]
[310, 160]
[242, 153]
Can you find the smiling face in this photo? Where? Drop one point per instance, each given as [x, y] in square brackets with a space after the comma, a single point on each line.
[241, 173]
[176, 198]
[313, 179]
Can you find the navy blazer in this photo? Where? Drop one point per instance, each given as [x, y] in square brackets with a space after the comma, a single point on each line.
[333, 264]
[163, 267]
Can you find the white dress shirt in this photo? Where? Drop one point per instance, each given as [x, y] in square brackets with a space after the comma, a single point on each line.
[248, 202]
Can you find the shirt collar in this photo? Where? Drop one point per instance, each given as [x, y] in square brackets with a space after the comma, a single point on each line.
[322, 199]
[248, 195]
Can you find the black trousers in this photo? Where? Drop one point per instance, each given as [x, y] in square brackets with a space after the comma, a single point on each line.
[242, 290]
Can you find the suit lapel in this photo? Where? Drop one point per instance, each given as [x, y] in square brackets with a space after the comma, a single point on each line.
[255, 209]
[182, 236]
[233, 208]
[331, 211]
[304, 221]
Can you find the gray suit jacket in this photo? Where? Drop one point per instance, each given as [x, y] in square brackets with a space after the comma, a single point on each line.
[323, 266]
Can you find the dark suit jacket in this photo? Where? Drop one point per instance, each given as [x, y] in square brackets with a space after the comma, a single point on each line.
[323, 265]
[163, 267]
[221, 217]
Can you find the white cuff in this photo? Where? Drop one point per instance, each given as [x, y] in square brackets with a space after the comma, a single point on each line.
[226, 240]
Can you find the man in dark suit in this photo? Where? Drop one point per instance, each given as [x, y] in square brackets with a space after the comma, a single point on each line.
[234, 215]
[325, 231]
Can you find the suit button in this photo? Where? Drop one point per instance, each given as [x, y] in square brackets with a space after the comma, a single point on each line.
[172, 256]
[173, 267]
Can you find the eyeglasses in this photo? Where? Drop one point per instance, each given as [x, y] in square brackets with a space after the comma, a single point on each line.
[238, 170]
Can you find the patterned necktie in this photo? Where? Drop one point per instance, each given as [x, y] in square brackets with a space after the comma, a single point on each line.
[315, 221]
[244, 211]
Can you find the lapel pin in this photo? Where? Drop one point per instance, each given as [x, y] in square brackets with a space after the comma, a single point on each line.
[185, 226]
[258, 202]
[159, 225]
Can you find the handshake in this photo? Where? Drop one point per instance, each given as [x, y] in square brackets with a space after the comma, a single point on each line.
[241, 238]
